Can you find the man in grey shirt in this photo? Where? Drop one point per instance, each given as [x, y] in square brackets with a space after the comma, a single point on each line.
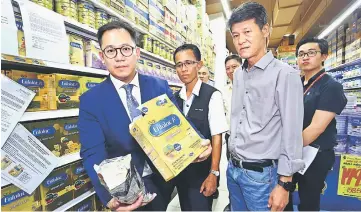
[266, 118]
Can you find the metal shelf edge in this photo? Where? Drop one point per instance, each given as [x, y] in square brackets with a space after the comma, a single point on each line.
[51, 114]
[75, 201]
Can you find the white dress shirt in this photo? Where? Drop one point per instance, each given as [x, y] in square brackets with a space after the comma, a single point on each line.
[227, 99]
[123, 97]
[216, 116]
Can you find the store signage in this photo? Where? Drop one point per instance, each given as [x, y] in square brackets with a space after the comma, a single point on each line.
[350, 176]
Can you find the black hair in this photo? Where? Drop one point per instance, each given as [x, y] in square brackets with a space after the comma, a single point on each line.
[192, 47]
[233, 57]
[116, 25]
[322, 43]
[248, 11]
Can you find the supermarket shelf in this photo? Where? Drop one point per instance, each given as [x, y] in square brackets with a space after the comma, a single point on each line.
[345, 65]
[175, 84]
[53, 67]
[157, 58]
[352, 88]
[352, 77]
[62, 161]
[114, 13]
[51, 114]
[75, 201]
[74, 27]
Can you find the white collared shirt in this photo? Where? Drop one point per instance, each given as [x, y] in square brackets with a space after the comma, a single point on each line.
[216, 115]
[227, 98]
[123, 97]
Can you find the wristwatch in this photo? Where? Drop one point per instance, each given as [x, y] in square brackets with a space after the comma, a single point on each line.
[216, 173]
[288, 186]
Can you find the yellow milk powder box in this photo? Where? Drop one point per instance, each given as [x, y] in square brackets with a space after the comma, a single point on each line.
[87, 83]
[42, 84]
[166, 136]
[67, 91]
[15, 199]
[86, 205]
[48, 133]
[80, 179]
[57, 189]
[76, 50]
[69, 136]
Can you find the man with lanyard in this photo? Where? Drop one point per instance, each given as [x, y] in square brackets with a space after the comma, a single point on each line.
[202, 104]
[266, 118]
[323, 99]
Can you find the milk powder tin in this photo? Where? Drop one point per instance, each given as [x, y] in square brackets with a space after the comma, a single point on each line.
[101, 18]
[354, 145]
[68, 8]
[76, 50]
[86, 13]
[341, 144]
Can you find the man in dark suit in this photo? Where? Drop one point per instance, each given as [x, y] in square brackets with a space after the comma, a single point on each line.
[107, 110]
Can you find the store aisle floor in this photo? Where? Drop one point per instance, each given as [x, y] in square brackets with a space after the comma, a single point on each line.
[222, 201]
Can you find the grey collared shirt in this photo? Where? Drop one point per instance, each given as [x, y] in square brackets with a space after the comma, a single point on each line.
[267, 115]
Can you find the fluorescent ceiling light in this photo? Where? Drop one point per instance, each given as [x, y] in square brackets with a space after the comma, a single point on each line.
[340, 19]
[226, 8]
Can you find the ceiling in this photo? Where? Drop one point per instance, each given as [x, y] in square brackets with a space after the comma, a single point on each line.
[299, 17]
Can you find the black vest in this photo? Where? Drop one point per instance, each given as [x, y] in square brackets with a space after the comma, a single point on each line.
[198, 112]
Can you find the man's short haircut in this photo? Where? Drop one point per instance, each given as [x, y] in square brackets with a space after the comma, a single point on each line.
[116, 25]
[322, 43]
[184, 47]
[248, 11]
[233, 57]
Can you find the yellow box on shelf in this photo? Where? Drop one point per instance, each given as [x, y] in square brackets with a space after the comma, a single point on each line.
[166, 136]
[67, 91]
[15, 199]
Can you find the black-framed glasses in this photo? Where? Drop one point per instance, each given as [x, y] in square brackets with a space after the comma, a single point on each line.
[111, 52]
[187, 64]
[310, 53]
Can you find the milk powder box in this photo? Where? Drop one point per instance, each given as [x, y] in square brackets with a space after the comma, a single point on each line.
[141, 66]
[129, 10]
[354, 125]
[69, 135]
[119, 6]
[166, 136]
[341, 144]
[76, 50]
[87, 83]
[92, 54]
[48, 133]
[67, 91]
[80, 179]
[57, 189]
[354, 145]
[341, 124]
[156, 10]
[86, 205]
[141, 16]
[157, 70]
[42, 84]
[150, 68]
[15, 199]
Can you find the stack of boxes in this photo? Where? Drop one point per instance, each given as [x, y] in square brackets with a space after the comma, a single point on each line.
[156, 19]
[341, 44]
[332, 50]
[53, 91]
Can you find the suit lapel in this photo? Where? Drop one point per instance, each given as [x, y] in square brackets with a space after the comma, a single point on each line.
[146, 89]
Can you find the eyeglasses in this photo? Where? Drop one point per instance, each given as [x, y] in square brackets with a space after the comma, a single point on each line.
[111, 52]
[187, 64]
[311, 53]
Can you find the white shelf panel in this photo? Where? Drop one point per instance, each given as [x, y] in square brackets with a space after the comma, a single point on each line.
[75, 201]
[114, 13]
[66, 159]
[77, 68]
[51, 114]
[157, 57]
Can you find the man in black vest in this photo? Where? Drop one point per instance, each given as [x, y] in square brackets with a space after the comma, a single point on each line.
[202, 104]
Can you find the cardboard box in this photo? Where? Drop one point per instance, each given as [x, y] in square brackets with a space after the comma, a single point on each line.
[169, 19]
[87, 83]
[80, 179]
[142, 16]
[57, 189]
[48, 133]
[118, 6]
[129, 10]
[156, 11]
[67, 91]
[69, 135]
[15, 199]
[166, 137]
[42, 84]
[86, 205]
[156, 28]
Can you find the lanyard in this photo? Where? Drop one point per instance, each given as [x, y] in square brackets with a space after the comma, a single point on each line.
[309, 87]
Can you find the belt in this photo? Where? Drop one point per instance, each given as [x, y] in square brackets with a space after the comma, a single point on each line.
[254, 166]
